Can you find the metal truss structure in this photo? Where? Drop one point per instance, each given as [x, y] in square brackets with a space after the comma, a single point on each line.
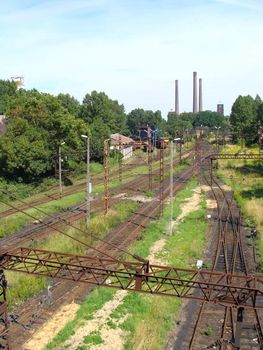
[4, 343]
[241, 156]
[106, 166]
[235, 290]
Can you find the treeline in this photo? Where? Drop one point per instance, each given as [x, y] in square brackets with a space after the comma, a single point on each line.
[245, 118]
[38, 123]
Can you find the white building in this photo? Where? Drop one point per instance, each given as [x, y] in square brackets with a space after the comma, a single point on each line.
[122, 143]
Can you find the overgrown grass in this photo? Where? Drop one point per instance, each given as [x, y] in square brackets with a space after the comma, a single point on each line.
[245, 179]
[182, 249]
[22, 287]
[150, 317]
[17, 221]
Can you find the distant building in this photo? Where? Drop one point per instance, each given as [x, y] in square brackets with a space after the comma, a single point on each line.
[220, 108]
[122, 143]
[2, 124]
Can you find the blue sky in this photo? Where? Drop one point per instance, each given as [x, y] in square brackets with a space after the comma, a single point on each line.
[134, 49]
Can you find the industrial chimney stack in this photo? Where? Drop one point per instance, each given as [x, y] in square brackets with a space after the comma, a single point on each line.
[176, 109]
[200, 96]
[194, 92]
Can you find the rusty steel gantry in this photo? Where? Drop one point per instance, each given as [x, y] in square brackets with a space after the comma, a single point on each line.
[106, 166]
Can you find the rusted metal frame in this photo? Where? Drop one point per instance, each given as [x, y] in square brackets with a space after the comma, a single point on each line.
[227, 202]
[235, 156]
[223, 331]
[217, 291]
[62, 258]
[4, 323]
[120, 160]
[161, 178]
[180, 153]
[54, 227]
[219, 229]
[194, 333]
[236, 245]
[106, 176]
[259, 329]
[150, 160]
[238, 330]
[258, 326]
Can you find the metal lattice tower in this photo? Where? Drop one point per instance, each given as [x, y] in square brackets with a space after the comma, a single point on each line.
[106, 165]
[4, 341]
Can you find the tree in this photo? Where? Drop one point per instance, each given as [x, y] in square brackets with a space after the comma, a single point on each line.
[244, 119]
[104, 117]
[177, 125]
[38, 121]
[98, 105]
[24, 151]
[7, 90]
[70, 103]
[139, 118]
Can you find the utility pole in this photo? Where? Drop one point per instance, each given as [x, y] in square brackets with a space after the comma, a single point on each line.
[60, 168]
[88, 189]
[171, 188]
[217, 138]
[180, 150]
[106, 175]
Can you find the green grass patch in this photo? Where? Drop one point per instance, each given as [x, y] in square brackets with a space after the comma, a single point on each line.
[94, 301]
[150, 318]
[17, 221]
[22, 286]
[245, 179]
[93, 338]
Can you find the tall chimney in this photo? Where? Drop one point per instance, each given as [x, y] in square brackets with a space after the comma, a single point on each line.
[176, 109]
[200, 96]
[194, 92]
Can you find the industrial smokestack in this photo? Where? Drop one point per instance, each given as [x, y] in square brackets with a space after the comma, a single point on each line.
[194, 92]
[176, 101]
[200, 96]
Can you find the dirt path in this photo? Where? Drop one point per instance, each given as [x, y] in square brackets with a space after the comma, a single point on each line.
[52, 327]
[110, 338]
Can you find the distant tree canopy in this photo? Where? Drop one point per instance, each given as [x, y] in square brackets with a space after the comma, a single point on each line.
[179, 124]
[245, 118]
[104, 116]
[7, 91]
[37, 125]
[70, 103]
[139, 118]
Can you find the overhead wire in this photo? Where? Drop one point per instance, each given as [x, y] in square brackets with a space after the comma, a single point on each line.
[64, 221]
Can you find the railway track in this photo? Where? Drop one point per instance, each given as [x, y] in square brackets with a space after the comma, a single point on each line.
[42, 228]
[96, 180]
[121, 237]
[216, 326]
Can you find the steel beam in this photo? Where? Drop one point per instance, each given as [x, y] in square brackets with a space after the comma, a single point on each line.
[4, 340]
[236, 290]
[235, 156]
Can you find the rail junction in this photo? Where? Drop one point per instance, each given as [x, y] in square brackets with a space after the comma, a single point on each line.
[231, 285]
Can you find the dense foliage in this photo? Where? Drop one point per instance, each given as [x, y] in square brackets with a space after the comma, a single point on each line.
[245, 118]
[181, 124]
[7, 89]
[139, 118]
[38, 123]
[104, 117]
